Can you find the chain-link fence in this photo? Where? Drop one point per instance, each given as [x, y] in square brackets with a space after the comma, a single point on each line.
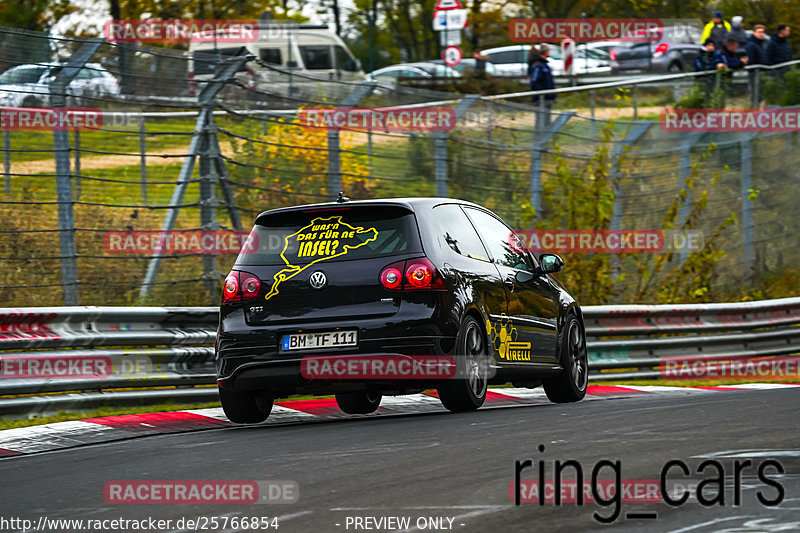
[171, 152]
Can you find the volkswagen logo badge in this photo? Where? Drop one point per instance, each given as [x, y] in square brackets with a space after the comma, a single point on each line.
[318, 280]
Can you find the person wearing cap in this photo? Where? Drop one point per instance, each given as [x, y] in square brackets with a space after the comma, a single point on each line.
[737, 31]
[717, 29]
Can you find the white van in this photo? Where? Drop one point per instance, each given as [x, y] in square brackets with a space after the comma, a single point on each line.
[302, 50]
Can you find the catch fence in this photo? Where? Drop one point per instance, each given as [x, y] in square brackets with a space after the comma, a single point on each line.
[177, 153]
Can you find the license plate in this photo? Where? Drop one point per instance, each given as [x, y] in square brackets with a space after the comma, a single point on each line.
[320, 339]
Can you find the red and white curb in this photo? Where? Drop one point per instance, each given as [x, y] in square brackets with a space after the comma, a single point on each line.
[61, 435]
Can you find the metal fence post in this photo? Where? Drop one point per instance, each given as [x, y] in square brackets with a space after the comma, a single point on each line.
[334, 146]
[630, 138]
[748, 250]
[208, 180]
[77, 140]
[7, 160]
[635, 95]
[685, 168]
[66, 215]
[538, 146]
[143, 157]
[440, 147]
[440, 162]
[231, 65]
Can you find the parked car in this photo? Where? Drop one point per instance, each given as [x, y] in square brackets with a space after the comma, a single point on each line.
[673, 52]
[29, 85]
[392, 280]
[439, 70]
[468, 64]
[609, 47]
[300, 54]
[388, 76]
[512, 60]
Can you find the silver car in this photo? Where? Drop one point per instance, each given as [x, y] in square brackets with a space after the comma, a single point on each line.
[29, 85]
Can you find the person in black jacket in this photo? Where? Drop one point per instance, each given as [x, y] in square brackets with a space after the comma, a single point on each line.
[755, 47]
[731, 56]
[541, 79]
[778, 49]
[708, 59]
[756, 51]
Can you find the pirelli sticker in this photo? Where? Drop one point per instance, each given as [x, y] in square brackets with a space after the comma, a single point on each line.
[504, 337]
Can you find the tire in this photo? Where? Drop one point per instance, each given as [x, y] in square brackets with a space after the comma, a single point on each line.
[472, 357]
[245, 407]
[675, 68]
[358, 403]
[570, 385]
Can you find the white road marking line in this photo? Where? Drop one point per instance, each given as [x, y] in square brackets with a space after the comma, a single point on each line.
[709, 523]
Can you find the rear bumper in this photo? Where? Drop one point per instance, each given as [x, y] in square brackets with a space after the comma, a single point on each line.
[249, 357]
[282, 378]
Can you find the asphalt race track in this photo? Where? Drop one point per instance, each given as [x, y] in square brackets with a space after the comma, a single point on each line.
[457, 468]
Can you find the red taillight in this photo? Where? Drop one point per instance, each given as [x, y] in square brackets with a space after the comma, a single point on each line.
[391, 278]
[419, 274]
[251, 286]
[240, 286]
[661, 50]
[230, 291]
[613, 54]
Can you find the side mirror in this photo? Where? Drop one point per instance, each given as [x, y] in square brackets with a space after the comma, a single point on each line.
[550, 263]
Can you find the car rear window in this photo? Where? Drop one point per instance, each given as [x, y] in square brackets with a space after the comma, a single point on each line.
[338, 234]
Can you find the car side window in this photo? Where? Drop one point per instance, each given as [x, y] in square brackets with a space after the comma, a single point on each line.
[344, 61]
[271, 56]
[457, 231]
[317, 57]
[498, 239]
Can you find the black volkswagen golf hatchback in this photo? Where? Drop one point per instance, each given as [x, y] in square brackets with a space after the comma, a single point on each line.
[387, 297]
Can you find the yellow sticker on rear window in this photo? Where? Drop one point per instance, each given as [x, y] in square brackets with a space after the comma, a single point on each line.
[321, 239]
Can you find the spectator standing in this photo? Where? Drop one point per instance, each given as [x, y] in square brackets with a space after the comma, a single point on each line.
[541, 79]
[756, 46]
[756, 51]
[737, 31]
[778, 49]
[717, 29]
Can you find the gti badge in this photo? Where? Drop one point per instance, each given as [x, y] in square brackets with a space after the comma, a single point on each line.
[318, 280]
